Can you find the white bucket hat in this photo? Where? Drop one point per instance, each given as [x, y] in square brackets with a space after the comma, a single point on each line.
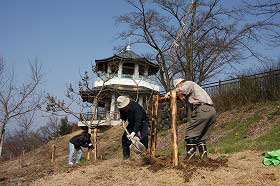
[177, 81]
[122, 101]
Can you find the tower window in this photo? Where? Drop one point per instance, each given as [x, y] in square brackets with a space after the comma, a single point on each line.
[141, 70]
[128, 68]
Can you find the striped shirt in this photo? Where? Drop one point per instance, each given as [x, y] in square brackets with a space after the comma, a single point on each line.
[195, 93]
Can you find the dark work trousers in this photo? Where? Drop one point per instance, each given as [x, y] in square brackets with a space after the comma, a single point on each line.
[143, 136]
[202, 119]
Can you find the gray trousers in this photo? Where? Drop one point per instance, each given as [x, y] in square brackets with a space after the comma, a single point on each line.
[201, 123]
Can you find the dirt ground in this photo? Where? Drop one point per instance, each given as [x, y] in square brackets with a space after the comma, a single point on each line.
[244, 168]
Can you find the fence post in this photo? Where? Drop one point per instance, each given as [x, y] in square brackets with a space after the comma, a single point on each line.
[21, 159]
[220, 87]
[154, 126]
[174, 134]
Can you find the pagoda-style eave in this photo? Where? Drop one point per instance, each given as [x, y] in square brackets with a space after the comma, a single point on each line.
[88, 95]
[116, 58]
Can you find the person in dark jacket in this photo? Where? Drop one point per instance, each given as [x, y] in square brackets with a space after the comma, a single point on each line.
[75, 143]
[137, 123]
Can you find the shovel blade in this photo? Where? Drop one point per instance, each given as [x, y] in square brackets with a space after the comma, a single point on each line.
[138, 146]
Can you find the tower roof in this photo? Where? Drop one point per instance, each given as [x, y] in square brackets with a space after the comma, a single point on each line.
[127, 55]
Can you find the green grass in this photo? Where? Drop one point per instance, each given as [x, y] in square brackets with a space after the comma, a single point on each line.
[269, 141]
[83, 161]
[274, 104]
[236, 138]
[163, 132]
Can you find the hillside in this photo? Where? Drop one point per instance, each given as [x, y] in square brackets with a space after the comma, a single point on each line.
[238, 141]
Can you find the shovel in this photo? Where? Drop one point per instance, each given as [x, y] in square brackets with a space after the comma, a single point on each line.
[139, 148]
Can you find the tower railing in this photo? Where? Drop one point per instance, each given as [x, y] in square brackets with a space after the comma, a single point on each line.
[101, 115]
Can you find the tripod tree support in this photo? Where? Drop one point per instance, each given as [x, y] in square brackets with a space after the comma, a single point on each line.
[174, 133]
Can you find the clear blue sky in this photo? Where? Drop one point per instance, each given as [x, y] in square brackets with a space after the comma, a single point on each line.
[64, 35]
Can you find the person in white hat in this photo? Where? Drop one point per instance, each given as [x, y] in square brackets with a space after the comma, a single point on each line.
[137, 123]
[202, 118]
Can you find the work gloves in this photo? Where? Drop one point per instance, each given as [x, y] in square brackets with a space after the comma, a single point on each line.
[90, 146]
[131, 135]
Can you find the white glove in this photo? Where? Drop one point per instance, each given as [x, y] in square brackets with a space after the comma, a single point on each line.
[167, 94]
[121, 121]
[131, 135]
[90, 146]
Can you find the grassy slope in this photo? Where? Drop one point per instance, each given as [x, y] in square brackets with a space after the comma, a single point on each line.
[254, 127]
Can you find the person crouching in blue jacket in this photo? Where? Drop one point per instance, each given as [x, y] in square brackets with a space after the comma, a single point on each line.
[75, 143]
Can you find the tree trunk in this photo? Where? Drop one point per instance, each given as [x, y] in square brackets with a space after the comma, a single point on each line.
[154, 126]
[2, 136]
[1, 143]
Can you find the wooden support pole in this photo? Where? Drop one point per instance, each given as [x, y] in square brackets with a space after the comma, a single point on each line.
[21, 159]
[154, 126]
[53, 148]
[89, 151]
[95, 143]
[174, 134]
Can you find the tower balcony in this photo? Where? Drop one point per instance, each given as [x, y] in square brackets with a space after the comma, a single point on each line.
[129, 80]
[105, 118]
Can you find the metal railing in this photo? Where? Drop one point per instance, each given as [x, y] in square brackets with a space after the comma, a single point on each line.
[128, 76]
[262, 80]
[265, 79]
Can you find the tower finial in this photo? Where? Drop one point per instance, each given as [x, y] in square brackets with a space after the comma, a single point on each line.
[128, 47]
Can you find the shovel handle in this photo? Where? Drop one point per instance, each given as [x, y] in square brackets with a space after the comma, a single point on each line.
[125, 128]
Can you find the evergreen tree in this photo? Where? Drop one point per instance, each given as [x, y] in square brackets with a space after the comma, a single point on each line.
[65, 127]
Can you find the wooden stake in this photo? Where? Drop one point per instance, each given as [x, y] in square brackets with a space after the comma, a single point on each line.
[53, 153]
[89, 151]
[95, 143]
[154, 126]
[174, 134]
[21, 159]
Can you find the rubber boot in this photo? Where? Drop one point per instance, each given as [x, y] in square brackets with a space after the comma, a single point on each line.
[202, 150]
[190, 148]
[126, 153]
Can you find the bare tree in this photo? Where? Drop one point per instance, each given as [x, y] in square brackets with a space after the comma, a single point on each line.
[17, 99]
[74, 105]
[19, 140]
[210, 36]
[50, 130]
[268, 11]
[23, 137]
[1, 65]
